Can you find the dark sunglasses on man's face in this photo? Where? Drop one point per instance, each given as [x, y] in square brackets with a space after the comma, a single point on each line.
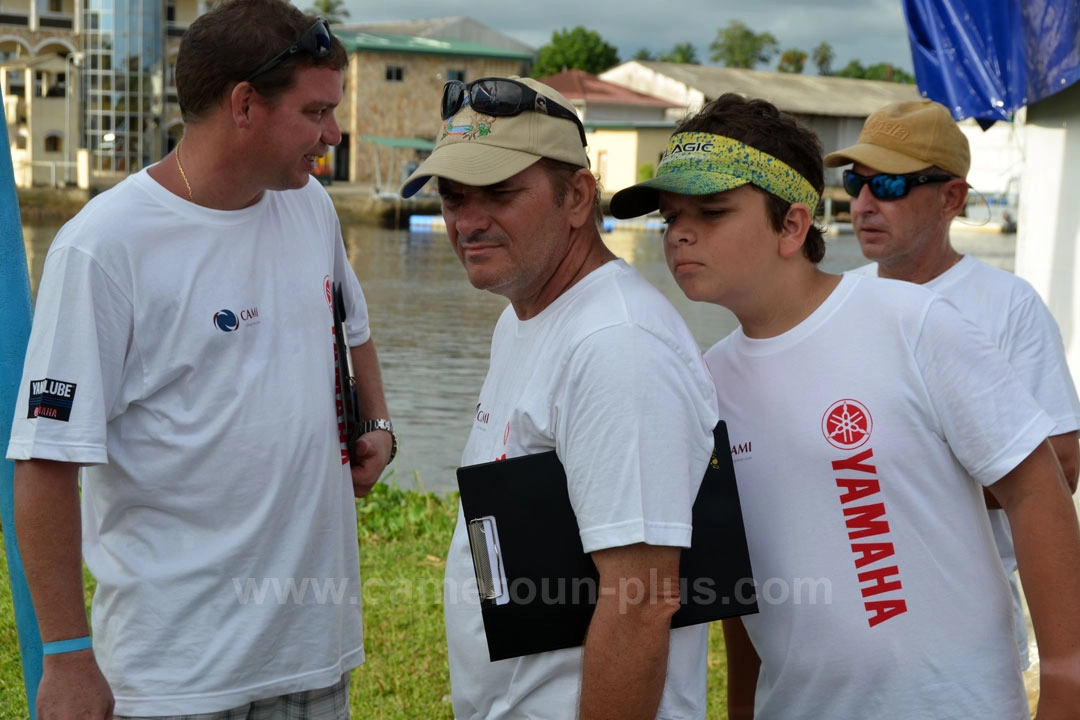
[502, 97]
[315, 42]
[889, 187]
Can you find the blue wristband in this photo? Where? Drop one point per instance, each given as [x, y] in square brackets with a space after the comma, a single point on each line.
[66, 646]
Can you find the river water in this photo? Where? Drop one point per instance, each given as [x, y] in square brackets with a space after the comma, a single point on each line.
[432, 329]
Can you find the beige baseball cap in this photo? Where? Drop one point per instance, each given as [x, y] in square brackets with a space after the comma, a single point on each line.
[907, 137]
[478, 149]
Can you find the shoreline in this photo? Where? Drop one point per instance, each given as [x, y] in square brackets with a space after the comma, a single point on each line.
[354, 202]
[359, 203]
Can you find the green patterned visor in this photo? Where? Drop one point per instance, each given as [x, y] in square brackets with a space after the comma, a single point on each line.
[698, 163]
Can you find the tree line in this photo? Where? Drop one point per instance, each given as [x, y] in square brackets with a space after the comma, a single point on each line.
[736, 46]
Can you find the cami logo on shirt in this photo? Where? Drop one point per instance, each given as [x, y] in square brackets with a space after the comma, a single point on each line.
[847, 424]
[741, 451]
[51, 399]
[226, 320]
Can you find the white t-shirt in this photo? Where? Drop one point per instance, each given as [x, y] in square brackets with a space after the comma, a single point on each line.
[610, 377]
[857, 435]
[1012, 314]
[186, 356]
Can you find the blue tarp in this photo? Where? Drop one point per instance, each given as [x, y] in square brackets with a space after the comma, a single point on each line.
[14, 333]
[985, 59]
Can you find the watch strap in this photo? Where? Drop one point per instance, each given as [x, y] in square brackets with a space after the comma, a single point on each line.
[382, 424]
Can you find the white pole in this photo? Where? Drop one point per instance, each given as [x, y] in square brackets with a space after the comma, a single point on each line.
[67, 115]
[72, 61]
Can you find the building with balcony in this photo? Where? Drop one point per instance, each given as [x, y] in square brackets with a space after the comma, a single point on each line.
[88, 86]
[90, 96]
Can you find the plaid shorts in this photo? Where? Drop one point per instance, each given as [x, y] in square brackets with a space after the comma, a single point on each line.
[330, 703]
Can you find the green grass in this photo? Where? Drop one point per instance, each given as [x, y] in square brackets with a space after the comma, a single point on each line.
[12, 690]
[404, 536]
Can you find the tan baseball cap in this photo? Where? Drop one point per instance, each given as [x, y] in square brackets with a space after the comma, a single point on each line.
[478, 149]
[907, 137]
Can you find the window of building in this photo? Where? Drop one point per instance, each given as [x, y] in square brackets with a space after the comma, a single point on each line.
[58, 86]
[395, 73]
[56, 6]
[54, 144]
[458, 75]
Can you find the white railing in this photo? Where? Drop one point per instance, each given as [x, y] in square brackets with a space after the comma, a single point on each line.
[52, 165]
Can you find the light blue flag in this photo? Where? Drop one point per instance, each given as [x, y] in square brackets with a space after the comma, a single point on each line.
[14, 334]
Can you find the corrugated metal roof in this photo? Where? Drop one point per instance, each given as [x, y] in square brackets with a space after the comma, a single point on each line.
[802, 94]
[460, 28]
[384, 42]
[400, 142]
[580, 85]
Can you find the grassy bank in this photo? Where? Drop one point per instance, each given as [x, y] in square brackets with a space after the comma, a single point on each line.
[404, 536]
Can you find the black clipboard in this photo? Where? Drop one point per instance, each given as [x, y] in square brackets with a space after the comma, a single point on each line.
[537, 585]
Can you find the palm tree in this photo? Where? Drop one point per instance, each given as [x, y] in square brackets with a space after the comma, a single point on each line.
[333, 10]
[823, 58]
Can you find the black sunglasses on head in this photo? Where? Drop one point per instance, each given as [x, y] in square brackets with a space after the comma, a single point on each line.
[889, 186]
[502, 97]
[315, 42]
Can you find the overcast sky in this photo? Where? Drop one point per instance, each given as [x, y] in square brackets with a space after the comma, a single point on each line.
[870, 31]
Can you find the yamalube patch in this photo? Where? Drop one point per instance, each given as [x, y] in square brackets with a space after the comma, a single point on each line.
[51, 399]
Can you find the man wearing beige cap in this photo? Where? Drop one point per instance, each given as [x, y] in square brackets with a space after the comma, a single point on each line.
[588, 360]
[907, 184]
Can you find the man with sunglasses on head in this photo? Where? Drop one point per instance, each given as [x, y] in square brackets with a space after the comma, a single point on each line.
[588, 360]
[872, 414]
[907, 184]
[183, 355]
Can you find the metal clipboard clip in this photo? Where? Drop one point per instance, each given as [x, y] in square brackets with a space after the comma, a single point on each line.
[487, 560]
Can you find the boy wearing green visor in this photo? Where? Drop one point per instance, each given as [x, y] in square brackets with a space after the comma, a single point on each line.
[862, 409]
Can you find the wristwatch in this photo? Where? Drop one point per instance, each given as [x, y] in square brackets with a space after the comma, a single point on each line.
[382, 424]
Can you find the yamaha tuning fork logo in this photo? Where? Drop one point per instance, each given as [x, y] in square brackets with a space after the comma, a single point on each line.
[847, 424]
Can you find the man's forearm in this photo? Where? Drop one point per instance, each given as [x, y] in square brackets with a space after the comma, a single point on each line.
[49, 530]
[626, 648]
[1047, 542]
[625, 663]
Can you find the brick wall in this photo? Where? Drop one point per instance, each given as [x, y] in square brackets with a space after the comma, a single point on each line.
[408, 108]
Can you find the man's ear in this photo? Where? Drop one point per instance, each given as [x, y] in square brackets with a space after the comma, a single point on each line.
[241, 102]
[796, 224]
[954, 198]
[581, 198]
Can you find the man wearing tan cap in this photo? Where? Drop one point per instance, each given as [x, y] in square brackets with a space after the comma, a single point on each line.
[907, 184]
[588, 360]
